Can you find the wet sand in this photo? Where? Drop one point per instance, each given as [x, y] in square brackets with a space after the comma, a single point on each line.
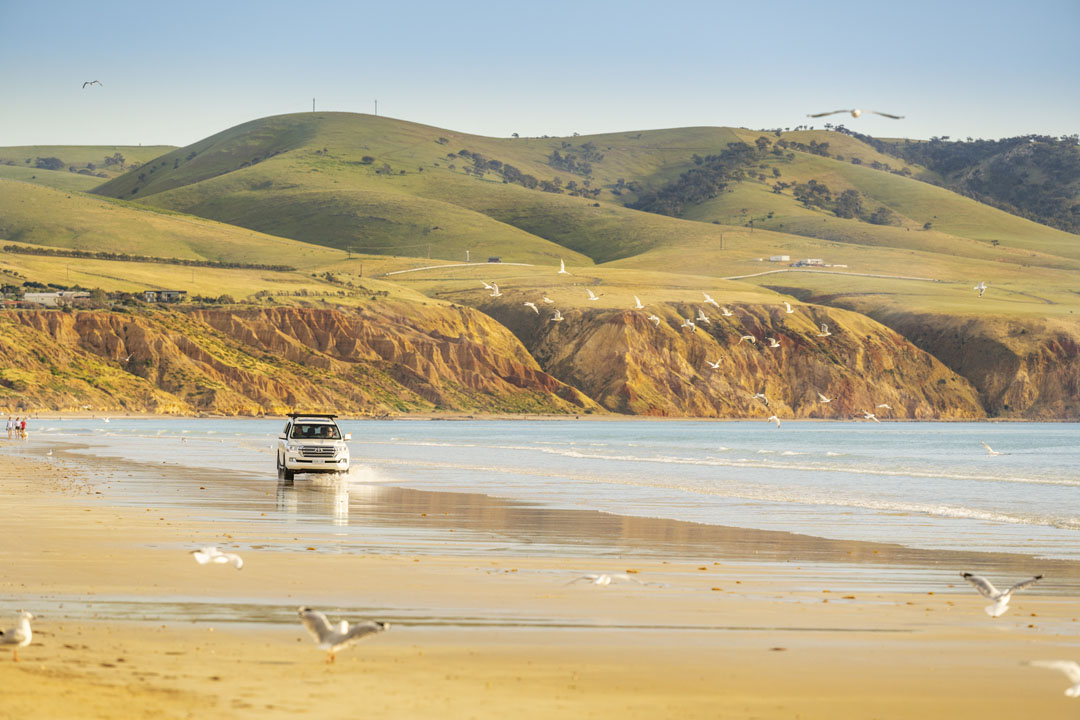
[729, 623]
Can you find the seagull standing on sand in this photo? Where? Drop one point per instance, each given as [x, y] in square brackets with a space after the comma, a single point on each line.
[562, 267]
[725, 312]
[604, 578]
[533, 306]
[856, 112]
[19, 636]
[655, 319]
[495, 290]
[824, 331]
[557, 317]
[702, 317]
[824, 399]
[637, 304]
[216, 557]
[1071, 670]
[592, 295]
[330, 638]
[775, 419]
[992, 451]
[709, 300]
[1000, 597]
[981, 287]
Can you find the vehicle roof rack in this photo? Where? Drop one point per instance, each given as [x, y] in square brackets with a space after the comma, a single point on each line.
[295, 415]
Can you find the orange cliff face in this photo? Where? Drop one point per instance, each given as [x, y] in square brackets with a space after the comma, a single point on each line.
[380, 359]
[629, 365]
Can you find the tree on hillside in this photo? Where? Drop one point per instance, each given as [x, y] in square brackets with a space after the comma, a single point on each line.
[849, 204]
[881, 216]
[762, 143]
[49, 163]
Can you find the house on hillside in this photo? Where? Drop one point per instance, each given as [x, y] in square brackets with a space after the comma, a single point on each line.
[809, 262]
[164, 296]
[55, 299]
[779, 258]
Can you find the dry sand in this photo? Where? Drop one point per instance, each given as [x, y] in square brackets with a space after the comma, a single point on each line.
[484, 635]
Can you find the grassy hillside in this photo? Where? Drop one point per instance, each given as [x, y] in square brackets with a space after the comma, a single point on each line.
[59, 179]
[94, 161]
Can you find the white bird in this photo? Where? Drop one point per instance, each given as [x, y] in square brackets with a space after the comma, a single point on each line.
[128, 358]
[548, 300]
[557, 317]
[761, 397]
[856, 112]
[709, 300]
[773, 343]
[725, 312]
[787, 308]
[885, 405]
[105, 419]
[824, 331]
[751, 338]
[486, 286]
[592, 295]
[19, 636]
[823, 398]
[702, 317]
[981, 287]
[49, 453]
[91, 82]
[637, 304]
[689, 322]
[1000, 597]
[495, 290]
[713, 365]
[212, 555]
[655, 319]
[562, 267]
[1071, 670]
[870, 416]
[330, 638]
[992, 451]
[533, 306]
[604, 578]
[775, 419]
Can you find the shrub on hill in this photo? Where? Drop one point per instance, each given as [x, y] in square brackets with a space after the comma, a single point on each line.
[705, 181]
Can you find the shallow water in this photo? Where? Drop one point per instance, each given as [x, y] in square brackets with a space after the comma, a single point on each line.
[922, 485]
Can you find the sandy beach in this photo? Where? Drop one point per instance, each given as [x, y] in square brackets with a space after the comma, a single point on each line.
[725, 623]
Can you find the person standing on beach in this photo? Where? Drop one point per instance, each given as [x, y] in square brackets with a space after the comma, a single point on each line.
[10, 427]
[22, 429]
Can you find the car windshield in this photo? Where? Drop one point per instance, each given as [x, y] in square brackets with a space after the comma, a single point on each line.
[313, 431]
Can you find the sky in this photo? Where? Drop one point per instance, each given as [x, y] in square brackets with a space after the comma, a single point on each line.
[174, 73]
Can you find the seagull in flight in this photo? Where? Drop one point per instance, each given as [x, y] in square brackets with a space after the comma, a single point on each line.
[19, 636]
[775, 419]
[92, 82]
[725, 312]
[557, 317]
[637, 304]
[856, 112]
[655, 319]
[495, 290]
[761, 397]
[604, 578]
[533, 306]
[870, 416]
[548, 300]
[592, 295]
[689, 322]
[824, 399]
[750, 338]
[709, 300]
[981, 287]
[562, 267]
[992, 451]
[773, 343]
[702, 317]
[824, 331]
[1000, 597]
[216, 557]
[713, 365]
[885, 405]
[333, 638]
[787, 308]
[486, 286]
[1071, 670]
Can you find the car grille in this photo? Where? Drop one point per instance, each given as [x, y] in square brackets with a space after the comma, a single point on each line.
[317, 451]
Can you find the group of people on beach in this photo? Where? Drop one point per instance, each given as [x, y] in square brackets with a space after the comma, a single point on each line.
[16, 428]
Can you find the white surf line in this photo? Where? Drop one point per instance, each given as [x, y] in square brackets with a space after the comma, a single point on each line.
[440, 267]
[830, 272]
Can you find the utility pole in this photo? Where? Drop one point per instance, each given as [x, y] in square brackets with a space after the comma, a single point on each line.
[376, 108]
[466, 256]
[721, 241]
[312, 104]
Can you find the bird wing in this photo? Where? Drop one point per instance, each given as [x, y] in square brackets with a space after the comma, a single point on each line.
[316, 624]
[988, 448]
[1070, 668]
[234, 559]
[888, 115]
[1023, 584]
[486, 286]
[590, 578]
[200, 556]
[831, 112]
[363, 629]
[984, 586]
[85, 84]
[823, 398]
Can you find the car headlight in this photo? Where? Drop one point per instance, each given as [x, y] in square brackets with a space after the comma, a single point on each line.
[293, 447]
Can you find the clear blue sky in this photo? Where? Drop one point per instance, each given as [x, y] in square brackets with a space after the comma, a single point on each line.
[175, 74]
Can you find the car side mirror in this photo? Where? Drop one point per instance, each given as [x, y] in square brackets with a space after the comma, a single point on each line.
[281, 437]
[348, 436]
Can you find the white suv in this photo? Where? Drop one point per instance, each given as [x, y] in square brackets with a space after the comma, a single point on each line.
[312, 443]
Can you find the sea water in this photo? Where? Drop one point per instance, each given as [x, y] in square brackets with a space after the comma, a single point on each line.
[924, 485]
